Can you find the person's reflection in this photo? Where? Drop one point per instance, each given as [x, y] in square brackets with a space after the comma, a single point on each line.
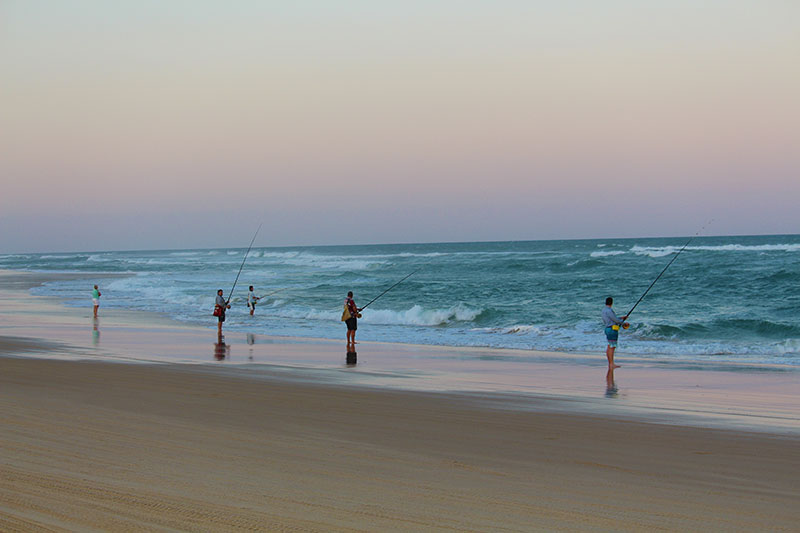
[611, 386]
[351, 359]
[251, 340]
[95, 331]
[221, 350]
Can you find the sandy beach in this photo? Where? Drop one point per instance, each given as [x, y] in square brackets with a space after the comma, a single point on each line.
[121, 447]
[564, 238]
[94, 441]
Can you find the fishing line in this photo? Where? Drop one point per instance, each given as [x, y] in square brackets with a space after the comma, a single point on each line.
[243, 260]
[392, 287]
[666, 267]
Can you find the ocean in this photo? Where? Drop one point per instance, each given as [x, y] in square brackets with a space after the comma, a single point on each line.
[725, 299]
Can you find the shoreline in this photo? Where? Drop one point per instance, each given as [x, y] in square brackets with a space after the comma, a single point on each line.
[36, 278]
[741, 397]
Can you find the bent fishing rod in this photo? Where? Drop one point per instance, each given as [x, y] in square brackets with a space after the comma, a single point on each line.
[242, 265]
[390, 288]
[665, 269]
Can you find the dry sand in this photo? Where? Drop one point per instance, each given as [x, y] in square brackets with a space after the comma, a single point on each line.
[124, 447]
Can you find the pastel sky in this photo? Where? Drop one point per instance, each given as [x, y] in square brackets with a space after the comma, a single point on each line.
[181, 124]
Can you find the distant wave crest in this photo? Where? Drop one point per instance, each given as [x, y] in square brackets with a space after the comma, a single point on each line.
[661, 251]
[607, 253]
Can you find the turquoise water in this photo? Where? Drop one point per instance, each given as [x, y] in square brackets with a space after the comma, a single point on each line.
[724, 299]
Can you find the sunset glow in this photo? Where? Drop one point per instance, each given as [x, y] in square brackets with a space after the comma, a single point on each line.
[184, 124]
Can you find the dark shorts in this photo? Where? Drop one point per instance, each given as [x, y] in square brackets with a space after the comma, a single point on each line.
[352, 323]
[221, 317]
[612, 335]
[251, 305]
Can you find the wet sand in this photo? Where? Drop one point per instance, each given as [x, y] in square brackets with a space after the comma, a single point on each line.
[131, 447]
[96, 444]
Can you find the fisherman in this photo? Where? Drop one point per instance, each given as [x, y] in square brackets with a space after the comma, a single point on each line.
[220, 306]
[251, 300]
[612, 324]
[96, 299]
[350, 317]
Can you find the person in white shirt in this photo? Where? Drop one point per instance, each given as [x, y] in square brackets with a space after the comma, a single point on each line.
[251, 300]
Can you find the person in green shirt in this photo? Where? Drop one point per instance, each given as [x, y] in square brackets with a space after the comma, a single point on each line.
[96, 299]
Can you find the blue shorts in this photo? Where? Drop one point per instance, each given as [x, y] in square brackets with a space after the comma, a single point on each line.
[612, 335]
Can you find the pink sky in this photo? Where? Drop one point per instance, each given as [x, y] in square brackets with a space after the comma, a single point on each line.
[168, 125]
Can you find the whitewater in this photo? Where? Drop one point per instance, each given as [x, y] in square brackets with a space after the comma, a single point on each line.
[725, 299]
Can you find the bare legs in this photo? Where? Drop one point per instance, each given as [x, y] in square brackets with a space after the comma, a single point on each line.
[610, 356]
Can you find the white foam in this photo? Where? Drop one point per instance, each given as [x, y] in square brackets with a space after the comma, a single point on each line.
[335, 264]
[518, 329]
[787, 347]
[606, 254]
[99, 258]
[331, 262]
[259, 273]
[419, 316]
[654, 252]
[278, 255]
[661, 251]
[415, 316]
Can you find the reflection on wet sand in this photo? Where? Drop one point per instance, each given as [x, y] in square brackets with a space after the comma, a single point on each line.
[351, 359]
[611, 386]
[251, 340]
[221, 350]
[95, 331]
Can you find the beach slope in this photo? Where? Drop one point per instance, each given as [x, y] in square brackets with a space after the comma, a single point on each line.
[96, 445]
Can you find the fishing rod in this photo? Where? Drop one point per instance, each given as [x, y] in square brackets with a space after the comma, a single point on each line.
[392, 287]
[243, 260]
[273, 292]
[665, 269]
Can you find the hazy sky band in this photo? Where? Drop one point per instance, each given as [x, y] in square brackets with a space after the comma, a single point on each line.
[347, 122]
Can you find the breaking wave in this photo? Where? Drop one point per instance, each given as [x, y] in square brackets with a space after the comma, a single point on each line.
[608, 253]
[414, 316]
[661, 251]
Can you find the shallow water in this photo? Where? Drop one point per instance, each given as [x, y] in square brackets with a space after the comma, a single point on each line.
[725, 299]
